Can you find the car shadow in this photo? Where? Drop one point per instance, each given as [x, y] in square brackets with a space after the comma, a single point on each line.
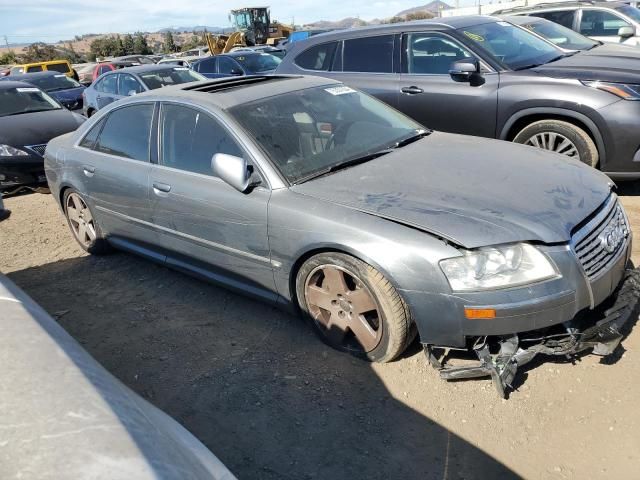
[628, 188]
[254, 384]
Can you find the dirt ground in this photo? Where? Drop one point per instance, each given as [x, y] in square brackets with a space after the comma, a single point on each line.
[272, 402]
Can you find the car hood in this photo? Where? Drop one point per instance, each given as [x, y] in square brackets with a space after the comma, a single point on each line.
[37, 128]
[607, 63]
[66, 95]
[474, 192]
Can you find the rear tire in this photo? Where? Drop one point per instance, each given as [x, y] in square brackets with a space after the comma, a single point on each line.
[82, 223]
[353, 307]
[560, 137]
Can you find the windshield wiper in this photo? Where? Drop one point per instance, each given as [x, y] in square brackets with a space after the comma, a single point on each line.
[412, 138]
[346, 164]
[554, 59]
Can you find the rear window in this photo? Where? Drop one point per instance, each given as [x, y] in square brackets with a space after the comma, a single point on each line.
[165, 78]
[368, 54]
[58, 67]
[317, 58]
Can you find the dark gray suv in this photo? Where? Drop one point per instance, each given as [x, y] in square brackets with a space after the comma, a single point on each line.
[486, 77]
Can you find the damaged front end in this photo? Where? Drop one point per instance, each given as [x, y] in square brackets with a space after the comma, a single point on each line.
[600, 330]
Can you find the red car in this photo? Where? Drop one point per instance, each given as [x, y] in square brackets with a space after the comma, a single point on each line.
[105, 67]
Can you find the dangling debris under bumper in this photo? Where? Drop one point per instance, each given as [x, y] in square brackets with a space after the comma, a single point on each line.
[601, 331]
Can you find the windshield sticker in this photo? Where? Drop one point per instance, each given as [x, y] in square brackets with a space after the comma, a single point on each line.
[27, 90]
[474, 37]
[339, 90]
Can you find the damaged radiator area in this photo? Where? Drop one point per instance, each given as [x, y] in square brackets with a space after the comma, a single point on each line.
[600, 331]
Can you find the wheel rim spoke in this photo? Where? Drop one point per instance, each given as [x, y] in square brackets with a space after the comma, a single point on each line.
[319, 297]
[334, 280]
[73, 214]
[366, 335]
[361, 301]
[554, 142]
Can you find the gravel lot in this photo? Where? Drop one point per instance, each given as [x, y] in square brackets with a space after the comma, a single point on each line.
[272, 402]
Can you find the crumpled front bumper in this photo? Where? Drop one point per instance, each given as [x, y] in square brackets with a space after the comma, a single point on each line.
[600, 330]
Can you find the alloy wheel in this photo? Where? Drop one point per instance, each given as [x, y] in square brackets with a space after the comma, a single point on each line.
[343, 308]
[554, 142]
[81, 220]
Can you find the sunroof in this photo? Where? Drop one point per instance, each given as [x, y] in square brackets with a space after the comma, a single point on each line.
[233, 82]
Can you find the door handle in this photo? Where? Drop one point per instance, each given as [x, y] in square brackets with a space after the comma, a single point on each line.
[412, 90]
[161, 188]
[88, 170]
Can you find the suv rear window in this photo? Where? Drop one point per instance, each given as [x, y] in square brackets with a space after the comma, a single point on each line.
[368, 54]
[317, 58]
[58, 67]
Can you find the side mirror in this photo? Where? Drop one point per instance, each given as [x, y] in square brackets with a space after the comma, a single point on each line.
[626, 31]
[236, 72]
[467, 70]
[131, 93]
[233, 170]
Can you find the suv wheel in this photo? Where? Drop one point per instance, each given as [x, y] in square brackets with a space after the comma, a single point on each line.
[560, 137]
[353, 307]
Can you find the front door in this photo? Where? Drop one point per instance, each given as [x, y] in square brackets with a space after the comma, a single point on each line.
[107, 91]
[429, 95]
[603, 25]
[213, 229]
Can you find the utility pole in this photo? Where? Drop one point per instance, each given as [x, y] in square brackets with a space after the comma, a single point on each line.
[6, 41]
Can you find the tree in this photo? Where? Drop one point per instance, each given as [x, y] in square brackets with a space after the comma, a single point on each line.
[8, 58]
[169, 44]
[39, 52]
[118, 47]
[140, 46]
[128, 44]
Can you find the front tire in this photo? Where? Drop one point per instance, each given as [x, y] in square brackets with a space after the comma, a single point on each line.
[82, 223]
[353, 307]
[560, 137]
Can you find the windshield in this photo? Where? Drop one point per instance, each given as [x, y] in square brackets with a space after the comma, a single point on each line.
[53, 83]
[514, 47]
[14, 101]
[308, 131]
[261, 62]
[562, 36]
[165, 77]
[632, 12]
[242, 20]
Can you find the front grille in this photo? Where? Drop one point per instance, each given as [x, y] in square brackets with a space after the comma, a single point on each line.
[599, 243]
[38, 149]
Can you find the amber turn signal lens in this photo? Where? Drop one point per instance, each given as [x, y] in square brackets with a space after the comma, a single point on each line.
[479, 313]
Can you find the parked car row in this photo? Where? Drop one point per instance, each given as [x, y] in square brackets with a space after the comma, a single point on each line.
[486, 77]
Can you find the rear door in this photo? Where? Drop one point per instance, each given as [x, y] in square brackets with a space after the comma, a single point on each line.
[212, 228]
[114, 163]
[227, 67]
[429, 95]
[602, 25]
[369, 64]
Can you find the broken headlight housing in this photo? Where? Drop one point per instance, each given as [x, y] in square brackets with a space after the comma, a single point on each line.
[497, 267]
[9, 151]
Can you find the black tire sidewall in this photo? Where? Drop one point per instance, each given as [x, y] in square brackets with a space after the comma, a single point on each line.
[359, 269]
[575, 134]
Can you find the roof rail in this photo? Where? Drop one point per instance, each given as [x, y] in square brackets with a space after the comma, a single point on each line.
[232, 82]
[549, 4]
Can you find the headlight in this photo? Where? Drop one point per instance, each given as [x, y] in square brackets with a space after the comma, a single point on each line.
[622, 90]
[9, 151]
[498, 267]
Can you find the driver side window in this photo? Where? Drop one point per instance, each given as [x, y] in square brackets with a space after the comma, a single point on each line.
[128, 85]
[431, 54]
[190, 138]
[600, 23]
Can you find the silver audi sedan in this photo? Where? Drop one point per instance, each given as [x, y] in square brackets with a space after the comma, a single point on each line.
[311, 195]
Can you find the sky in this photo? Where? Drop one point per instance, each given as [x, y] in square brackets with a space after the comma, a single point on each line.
[25, 21]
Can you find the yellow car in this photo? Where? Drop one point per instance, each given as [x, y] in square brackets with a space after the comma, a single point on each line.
[62, 66]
